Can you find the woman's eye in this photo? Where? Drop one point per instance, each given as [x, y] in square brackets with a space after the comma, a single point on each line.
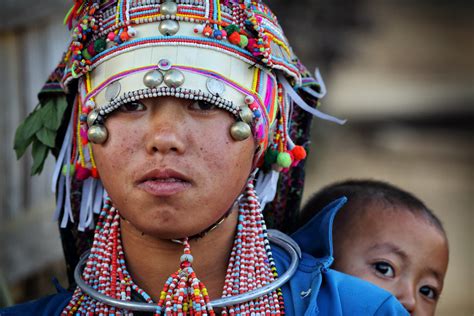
[202, 106]
[384, 269]
[132, 107]
[429, 292]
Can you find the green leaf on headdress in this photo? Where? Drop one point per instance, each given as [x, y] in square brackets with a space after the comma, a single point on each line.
[39, 153]
[47, 137]
[25, 133]
[47, 114]
[61, 106]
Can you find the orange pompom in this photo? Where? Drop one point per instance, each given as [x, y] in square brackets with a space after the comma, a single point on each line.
[299, 152]
[234, 38]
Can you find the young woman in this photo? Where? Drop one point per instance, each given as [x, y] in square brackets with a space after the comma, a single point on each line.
[178, 113]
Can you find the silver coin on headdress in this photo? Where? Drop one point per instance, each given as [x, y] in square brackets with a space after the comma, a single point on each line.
[215, 87]
[112, 91]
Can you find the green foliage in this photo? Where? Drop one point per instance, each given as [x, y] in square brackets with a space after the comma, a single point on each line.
[40, 129]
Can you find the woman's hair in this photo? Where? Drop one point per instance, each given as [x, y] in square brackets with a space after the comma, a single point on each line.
[363, 193]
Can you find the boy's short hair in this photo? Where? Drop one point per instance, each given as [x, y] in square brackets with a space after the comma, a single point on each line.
[365, 192]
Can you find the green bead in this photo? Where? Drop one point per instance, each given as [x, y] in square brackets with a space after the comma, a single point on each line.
[284, 160]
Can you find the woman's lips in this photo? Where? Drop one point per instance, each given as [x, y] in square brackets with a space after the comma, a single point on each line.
[162, 183]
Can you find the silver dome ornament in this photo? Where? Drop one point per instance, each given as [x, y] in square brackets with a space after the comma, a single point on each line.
[112, 91]
[91, 117]
[240, 131]
[168, 27]
[153, 79]
[168, 8]
[215, 87]
[97, 134]
[174, 78]
[246, 114]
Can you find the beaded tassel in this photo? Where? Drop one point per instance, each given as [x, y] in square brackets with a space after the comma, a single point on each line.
[183, 292]
[251, 263]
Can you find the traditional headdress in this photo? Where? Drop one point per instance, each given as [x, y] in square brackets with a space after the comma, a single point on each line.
[232, 54]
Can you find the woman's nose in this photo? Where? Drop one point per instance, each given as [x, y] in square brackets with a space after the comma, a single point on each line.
[165, 131]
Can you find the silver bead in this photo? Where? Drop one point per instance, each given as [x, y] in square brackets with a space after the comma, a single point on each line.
[168, 8]
[164, 64]
[174, 78]
[168, 27]
[153, 79]
[240, 131]
[91, 117]
[97, 134]
[246, 114]
[112, 91]
[187, 258]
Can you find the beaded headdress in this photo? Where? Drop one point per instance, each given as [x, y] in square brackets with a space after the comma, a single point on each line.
[230, 53]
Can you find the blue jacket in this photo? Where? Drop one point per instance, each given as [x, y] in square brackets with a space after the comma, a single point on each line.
[315, 289]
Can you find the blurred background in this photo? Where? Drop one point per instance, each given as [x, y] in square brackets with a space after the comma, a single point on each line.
[401, 71]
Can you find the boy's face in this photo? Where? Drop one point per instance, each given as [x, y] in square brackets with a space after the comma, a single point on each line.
[398, 251]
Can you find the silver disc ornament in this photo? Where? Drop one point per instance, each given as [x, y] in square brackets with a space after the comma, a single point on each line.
[168, 27]
[174, 78]
[153, 79]
[240, 131]
[97, 134]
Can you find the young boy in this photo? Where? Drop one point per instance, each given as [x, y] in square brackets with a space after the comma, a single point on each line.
[383, 235]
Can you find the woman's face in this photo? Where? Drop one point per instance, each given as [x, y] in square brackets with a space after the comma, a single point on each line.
[170, 165]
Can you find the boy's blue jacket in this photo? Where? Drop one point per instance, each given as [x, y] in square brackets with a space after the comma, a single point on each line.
[315, 289]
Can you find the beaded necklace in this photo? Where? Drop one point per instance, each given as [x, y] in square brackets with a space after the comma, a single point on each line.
[251, 266]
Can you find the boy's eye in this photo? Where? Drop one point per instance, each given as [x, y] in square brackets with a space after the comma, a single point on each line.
[429, 292]
[384, 269]
[202, 106]
[132, 107]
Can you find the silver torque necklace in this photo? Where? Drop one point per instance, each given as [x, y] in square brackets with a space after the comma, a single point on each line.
[278, 238]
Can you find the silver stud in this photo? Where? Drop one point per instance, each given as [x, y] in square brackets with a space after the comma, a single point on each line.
[153, 79]
[174, 78]
[168, 8]
[240, 131]
[97, 134]
[168, 27]
[164, 64]
[91, 117]
[112, 91]
[215, 87]
[246, 114]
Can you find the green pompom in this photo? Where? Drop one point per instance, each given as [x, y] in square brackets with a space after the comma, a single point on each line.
[284, 160]
[244, 41]
[100, 45]
[86, 54]
[270, 157]
[232, 28]
[72, 169]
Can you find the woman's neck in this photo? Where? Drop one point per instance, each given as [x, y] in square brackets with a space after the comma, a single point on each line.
[150, 261]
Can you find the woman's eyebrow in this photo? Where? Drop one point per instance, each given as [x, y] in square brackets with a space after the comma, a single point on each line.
[389, 247]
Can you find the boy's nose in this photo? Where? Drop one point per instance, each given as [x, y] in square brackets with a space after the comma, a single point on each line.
[406, 294]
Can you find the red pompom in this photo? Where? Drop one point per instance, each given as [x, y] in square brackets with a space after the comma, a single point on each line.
[95, 173]
[82, 173]
[299, 152]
